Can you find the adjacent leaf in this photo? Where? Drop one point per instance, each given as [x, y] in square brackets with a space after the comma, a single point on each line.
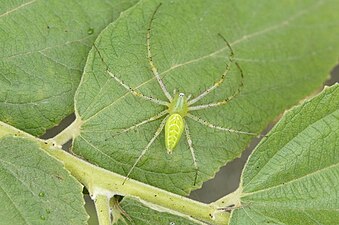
[276, 45]
[43, 49]
[35, 188]
[293, 176]
[139, 214]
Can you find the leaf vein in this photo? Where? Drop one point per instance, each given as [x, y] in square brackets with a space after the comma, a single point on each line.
[17, 8]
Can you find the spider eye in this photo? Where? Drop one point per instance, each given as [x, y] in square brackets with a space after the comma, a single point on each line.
[181, 94]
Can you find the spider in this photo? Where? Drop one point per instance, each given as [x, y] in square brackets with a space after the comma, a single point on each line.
[178, 106]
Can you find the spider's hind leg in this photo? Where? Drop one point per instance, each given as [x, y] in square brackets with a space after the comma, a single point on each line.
[160, 128]
[190, 145]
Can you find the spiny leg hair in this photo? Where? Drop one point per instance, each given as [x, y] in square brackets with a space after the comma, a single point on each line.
[226, 100]
[223, 76]
[131, 90]
[160, 128]
[190, 145]
[210, 125]
[153, 118]
[150, 58]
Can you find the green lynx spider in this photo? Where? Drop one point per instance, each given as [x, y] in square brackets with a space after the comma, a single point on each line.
[178, 106]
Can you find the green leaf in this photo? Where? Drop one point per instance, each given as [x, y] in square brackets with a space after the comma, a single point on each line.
[293, 176]
[43, 51]
[138, 214]
[36, 189]
[282, 58]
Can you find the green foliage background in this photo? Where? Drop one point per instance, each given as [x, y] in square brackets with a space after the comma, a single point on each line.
[286, 50]
[44, 45]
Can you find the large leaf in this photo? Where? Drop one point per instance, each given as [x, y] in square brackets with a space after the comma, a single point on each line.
[282, 57]
[43, 50]
[293, 177]
[36, 189]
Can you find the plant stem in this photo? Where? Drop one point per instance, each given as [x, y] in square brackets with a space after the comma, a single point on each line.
[98, 180]
[230, 201]
[103, 209]
[106, 183]
[69, 133]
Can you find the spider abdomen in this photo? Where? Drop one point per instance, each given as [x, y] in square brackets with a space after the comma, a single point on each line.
[173, 130]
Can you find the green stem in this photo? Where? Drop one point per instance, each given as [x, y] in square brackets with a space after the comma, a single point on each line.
[103, 209]
[98, 180]
[69, 133]
[230, 201]
[103, 182]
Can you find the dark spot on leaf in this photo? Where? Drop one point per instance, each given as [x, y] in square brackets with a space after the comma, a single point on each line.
[90, 31]
[59, 177]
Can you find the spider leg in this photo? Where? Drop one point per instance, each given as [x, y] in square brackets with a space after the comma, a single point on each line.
[223, 76]
[159, 115]
[189, 97]
[160, 128]
[222, 102]
[150, 58]
[208, 124]
[189, 141]
[130, 89]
